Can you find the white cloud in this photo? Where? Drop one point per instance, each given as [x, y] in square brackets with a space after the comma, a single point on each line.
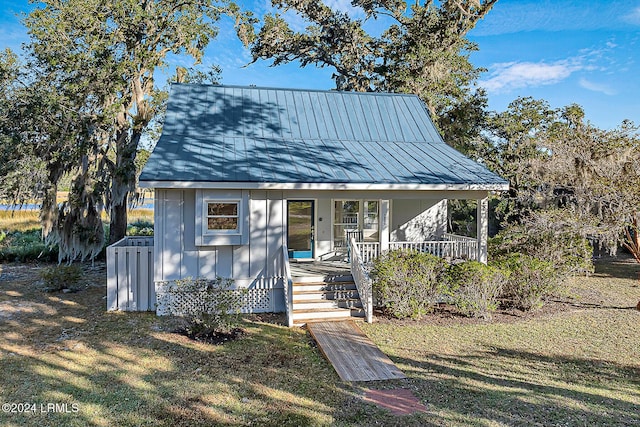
[634, 16]
[597, 87]
[514, 75]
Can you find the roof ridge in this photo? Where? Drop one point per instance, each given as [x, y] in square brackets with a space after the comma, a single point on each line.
[345, 92]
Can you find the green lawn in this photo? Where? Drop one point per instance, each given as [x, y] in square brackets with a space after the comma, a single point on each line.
[577, 362]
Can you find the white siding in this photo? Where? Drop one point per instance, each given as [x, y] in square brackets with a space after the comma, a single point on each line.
[418, 220]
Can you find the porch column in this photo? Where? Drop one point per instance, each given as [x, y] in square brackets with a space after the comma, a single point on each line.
[384, 225]
[482, 222]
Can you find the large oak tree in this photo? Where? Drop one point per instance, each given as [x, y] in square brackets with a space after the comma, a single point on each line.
[89, 96]
[421, 49]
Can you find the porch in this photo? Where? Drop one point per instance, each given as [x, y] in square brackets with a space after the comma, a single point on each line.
[340, 288]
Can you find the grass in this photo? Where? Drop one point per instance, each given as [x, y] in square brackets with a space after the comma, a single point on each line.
[26, 220]
[19, 220]
[21, 234]
[576, 362]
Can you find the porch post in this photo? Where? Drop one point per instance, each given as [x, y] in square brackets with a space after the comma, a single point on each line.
[384, 225]
[482, 222]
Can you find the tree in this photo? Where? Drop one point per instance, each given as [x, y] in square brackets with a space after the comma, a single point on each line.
[565, 173]
[596, 174]
[510, 146]
[97, 60]
[422, 50]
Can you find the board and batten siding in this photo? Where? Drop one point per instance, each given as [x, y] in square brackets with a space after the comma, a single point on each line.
[257, 265]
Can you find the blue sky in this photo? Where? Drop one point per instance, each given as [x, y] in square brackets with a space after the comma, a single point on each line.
[563, 51]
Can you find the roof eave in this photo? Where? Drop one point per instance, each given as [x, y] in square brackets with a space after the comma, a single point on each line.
[323, 186]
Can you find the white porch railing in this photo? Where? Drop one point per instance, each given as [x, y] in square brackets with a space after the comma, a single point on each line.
[362, 280]
[452, 246]
[288, 286]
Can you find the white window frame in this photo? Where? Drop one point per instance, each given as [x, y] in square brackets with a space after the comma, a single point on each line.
[205, 216]
[206, 237]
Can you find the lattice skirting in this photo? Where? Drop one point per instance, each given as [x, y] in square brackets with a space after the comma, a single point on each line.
[250, 301]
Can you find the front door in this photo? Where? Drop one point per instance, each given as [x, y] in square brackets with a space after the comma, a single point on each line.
[300, 220]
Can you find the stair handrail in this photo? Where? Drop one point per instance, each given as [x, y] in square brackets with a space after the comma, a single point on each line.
[363, 282]
[288, 285]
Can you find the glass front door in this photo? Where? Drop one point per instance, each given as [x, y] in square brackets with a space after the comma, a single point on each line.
[300, 239]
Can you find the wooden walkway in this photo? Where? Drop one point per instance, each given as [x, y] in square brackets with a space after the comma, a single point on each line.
[353, 355]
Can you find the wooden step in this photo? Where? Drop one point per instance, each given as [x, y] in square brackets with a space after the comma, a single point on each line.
[313, 316]
[326, 303]
[323, 286]
[326, 295]
[322, 279]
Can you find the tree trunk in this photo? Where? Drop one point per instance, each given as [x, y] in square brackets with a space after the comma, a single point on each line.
[118, 227]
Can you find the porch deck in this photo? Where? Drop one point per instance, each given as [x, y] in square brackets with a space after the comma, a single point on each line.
[353, 355]
[331, 267]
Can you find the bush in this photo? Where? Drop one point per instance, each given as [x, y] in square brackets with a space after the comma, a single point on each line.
[567, 251]
[208, 307]
[529, 280]
[61, 277]
[408, 283]
[25, 246]
[476, 288]
[140, 227]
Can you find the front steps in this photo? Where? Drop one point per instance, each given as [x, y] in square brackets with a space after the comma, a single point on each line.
[325, 298]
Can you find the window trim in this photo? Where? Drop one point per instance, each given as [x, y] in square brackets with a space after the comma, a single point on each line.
[206, 237]
[205, 217]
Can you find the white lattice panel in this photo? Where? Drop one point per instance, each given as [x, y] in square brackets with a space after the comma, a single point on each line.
[179, 303]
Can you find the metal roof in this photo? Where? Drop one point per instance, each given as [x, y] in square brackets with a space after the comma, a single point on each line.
[231, 134]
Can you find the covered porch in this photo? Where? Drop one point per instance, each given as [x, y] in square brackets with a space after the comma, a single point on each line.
[332, 239]
[319, 227]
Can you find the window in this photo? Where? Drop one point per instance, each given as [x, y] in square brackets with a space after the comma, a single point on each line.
[222, 216]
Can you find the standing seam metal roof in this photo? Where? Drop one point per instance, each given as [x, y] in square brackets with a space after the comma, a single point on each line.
[249, 134]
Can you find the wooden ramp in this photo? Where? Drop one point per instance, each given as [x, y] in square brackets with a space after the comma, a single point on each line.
[353, 355]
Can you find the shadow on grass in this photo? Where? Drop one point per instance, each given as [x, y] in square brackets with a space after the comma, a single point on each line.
[623, 267]
[501, 386]
[129, 369]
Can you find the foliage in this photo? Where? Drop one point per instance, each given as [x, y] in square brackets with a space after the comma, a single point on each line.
[83, 101]
[554, 159]
[213, 306]
[408, 283]
[529, 280]
[61, 277]
[140, 227]
[422, 49]
[475, 288]
[547, 237]
[23, 246]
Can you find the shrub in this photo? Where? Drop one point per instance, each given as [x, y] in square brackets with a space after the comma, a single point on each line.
[25, 246]
[408, 283]
[529, 280]
[140, 227]
[476, 288]
[61, 277]
[208, 307]
[567, 251]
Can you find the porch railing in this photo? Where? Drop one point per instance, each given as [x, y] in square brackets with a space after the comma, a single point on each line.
[362, 280]
[452, 246]
[288, 286]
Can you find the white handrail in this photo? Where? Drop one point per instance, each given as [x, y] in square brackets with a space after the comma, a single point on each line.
[288, 285]
[454, 247]
[362, 280]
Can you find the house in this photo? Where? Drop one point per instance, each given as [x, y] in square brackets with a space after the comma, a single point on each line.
[250, 182]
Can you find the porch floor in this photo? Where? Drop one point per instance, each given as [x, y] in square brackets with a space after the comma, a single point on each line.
[335, 266]
[353, 355]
